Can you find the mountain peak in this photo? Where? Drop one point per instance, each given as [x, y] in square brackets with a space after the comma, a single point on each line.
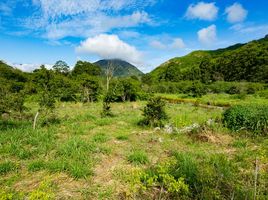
[123, 68]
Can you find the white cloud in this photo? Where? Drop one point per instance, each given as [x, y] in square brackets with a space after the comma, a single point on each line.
[175, 43]
[110, 46]
[208, 35]
[252, 31]
[129, 34]
[28, 67]
[236, 13]
[94, 25]
[202, 11]
[57, 19]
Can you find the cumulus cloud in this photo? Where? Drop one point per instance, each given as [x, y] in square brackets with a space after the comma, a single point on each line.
[236, 13]
[110, 46]
[176, 43]
[208, 35]
[202, 11]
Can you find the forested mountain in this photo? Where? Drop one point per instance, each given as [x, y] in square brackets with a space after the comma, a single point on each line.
[122, 68]
[240, 62]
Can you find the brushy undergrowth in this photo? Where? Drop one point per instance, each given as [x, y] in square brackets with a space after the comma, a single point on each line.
[253, 118]
[195, 176]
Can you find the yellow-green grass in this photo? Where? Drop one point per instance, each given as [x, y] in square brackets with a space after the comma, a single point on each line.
[220, 100]
[89, 157]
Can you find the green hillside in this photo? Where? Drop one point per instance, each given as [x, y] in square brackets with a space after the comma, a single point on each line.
[240, 62]
[10, 74]
[122, 68]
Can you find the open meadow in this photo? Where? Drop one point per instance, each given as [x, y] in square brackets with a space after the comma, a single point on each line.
[133, 100]
[81, 155]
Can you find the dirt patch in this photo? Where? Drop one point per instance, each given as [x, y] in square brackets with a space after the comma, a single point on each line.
[215, 138]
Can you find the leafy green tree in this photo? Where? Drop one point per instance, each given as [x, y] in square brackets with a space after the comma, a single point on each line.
[46, 87]
[147, 79]
[61, 67]
[206, 70]
[90, 87]
[66, 89]
[83, 67]
[197, 89]
[11, 102]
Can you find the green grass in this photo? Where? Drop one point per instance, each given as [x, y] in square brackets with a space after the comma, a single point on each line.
[7, 166]
[138, 157]
[220, 99]
[100, 138]
[122, 137]
[102, 158]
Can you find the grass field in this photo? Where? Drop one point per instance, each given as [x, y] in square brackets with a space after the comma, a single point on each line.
[223, 99]
[85, 156]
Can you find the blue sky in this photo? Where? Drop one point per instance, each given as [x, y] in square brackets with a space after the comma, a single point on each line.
[143, 32]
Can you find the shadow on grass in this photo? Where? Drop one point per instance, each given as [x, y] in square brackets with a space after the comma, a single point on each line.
[9, 125]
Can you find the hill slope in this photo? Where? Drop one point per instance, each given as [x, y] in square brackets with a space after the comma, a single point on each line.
[240, 62]
[10, 74]
[123, 68]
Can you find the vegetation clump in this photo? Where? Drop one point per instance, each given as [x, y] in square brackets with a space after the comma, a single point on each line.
[252, 118]
[154, 113]
[193, 176]
[138, 157]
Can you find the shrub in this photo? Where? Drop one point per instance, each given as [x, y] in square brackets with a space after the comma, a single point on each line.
[263, 94]
[193, 176]
[138, 157]
[154, 112]
[234, 90]
[197, 89]
[106, 110]
[252, 118]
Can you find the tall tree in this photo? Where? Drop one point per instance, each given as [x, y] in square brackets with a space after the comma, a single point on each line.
[61, 67]
[83, 67]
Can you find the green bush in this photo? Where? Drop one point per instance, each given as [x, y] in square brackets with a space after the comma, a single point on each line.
[252, 118]
[263, 94]
[154, 112]
[195, 176]
[197, 89]
[234, 90]
[235, 87]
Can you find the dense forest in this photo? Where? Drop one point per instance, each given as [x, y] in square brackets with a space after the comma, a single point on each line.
[241, 62]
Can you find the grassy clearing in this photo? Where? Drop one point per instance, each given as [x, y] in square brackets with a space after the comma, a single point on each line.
[89, 157]
[224, 100]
